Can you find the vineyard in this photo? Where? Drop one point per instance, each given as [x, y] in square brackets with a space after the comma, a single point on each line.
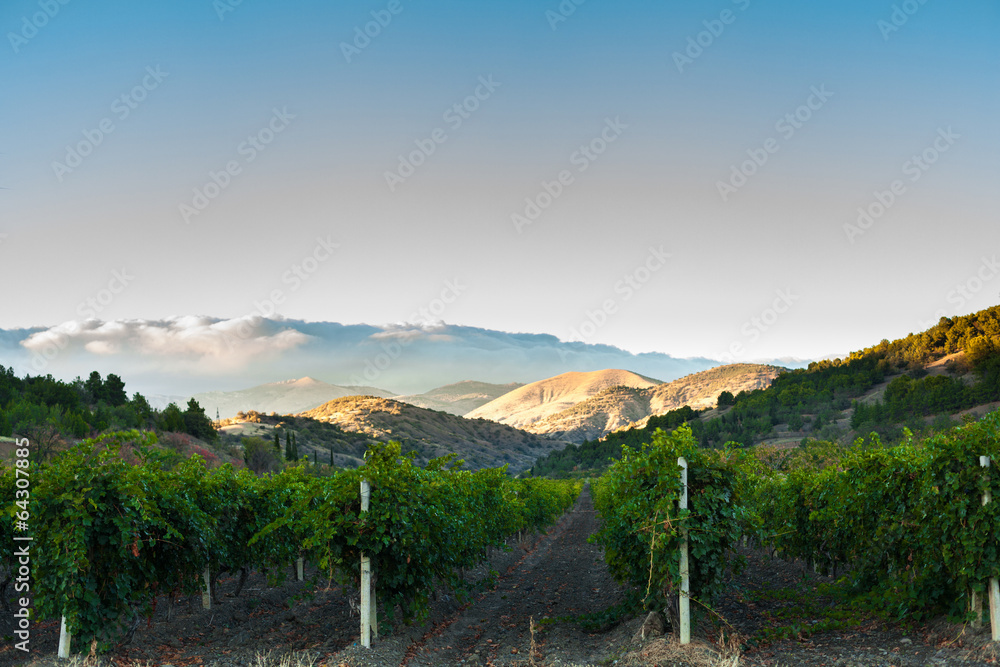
[910, 530]
[911, 526]
[109, 536]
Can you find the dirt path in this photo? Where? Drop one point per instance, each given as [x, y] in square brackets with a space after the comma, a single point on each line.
[563, 575]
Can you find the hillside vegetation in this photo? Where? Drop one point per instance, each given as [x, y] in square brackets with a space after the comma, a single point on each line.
[284, 398]
[431, 434]
[879, 389]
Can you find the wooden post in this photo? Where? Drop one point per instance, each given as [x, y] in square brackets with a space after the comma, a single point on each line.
[64, 639]
[300, 568]
[368, 619]
[993, 590]
[684, 606]
[206, 592]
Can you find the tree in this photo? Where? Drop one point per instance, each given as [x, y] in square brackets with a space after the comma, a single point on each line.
[259, 457]
[114, 391]
[45, 440]
[726, 398]
[94, 386]
[172, 419]
[6, 430]
[143, 409]
[277, 442]
[197, 423]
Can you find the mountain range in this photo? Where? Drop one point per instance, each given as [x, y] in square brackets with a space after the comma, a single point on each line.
[628, 406]
[431, 433]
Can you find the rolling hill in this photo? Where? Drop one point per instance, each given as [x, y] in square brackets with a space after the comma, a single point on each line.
[430, 433]
[538, 400]
[459, 398]
[284, 398]
[621, 406]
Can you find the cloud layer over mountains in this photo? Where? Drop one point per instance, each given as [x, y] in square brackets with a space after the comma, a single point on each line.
[189, 354]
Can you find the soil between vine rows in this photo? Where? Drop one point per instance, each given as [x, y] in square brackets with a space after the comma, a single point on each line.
[550, 575]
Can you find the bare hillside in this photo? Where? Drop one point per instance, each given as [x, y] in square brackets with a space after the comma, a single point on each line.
[538, 400]
[619, 407]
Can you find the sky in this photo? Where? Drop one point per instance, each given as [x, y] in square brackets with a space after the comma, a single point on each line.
[734, 179]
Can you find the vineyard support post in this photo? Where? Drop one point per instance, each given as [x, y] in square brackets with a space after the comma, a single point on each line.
[206, 592]
[64, 639]
[369, 620]
[300, 568]
[684, 603]
[993, 590]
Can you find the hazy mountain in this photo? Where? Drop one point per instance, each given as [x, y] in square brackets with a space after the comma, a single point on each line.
[431, 433]
[544, 398]
[459, 398]
[188, 355]
[618, 407]
[284, 398]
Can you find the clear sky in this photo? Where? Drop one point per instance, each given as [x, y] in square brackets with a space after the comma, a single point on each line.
[672, 177]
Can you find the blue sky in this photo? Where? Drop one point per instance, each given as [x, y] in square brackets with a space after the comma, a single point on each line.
[764, 269]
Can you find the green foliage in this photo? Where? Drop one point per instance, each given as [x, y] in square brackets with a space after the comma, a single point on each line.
[642, 526]
[908, 519]
[424, 524]
[595, 456]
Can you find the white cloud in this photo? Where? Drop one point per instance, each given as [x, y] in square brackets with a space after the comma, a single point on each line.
[229, 343]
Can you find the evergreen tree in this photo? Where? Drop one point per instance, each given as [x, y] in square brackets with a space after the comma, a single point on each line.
[114, 391]
[277, 442]
[171, 419]
[197, 423]
[94, 387]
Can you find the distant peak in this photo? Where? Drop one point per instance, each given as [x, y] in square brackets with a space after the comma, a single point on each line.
[298, 382]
